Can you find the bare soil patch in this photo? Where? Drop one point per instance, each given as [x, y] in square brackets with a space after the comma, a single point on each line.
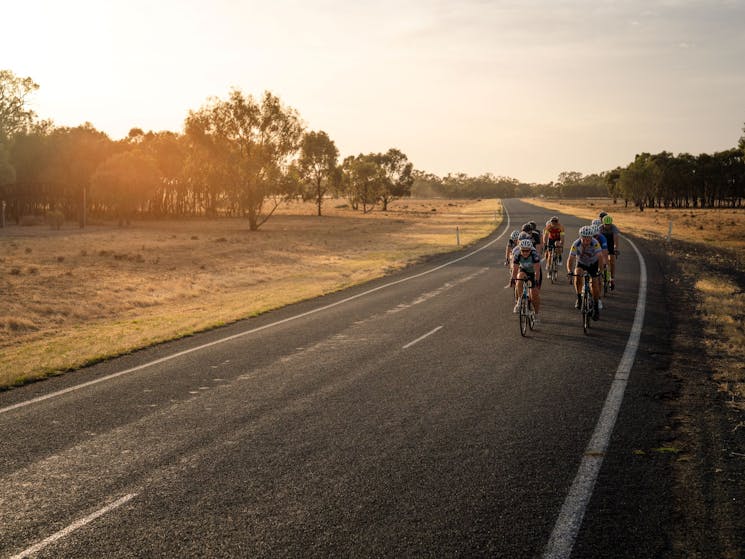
[75, 296]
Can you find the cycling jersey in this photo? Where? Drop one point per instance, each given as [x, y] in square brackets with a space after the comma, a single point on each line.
[526, 262]
[609, 232]
[602, 240]
[586, 255]
[555, 232]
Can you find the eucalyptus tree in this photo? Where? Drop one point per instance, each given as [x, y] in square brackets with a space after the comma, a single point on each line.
[397, 170]
[635, 179]
[126, 183]
[15, 116]
[318, 166]
[363, 181]
[252, 143]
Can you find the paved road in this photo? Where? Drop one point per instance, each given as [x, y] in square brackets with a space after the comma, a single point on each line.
[403, 418]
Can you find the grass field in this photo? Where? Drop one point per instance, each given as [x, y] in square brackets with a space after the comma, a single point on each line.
[76, 296]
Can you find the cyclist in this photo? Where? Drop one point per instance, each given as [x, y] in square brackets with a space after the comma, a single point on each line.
[530, 231]
[553, 237]
[511, 244]
[526, 264]
[611, 233]
[587, 254]
[597, 234]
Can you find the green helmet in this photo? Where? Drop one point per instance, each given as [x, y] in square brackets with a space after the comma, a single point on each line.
[607, 219]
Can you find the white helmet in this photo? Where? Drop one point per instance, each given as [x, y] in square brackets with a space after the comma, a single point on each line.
[526, 243]
[597, 221]
[514, 235]
[585, 231]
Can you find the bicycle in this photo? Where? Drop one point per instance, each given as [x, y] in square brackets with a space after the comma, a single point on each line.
[587, 307]
[606, 280]
[526, 313]
[553, 266]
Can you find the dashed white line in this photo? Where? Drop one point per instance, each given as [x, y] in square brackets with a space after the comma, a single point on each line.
[573, 511]
[74, 526]
[420, 338]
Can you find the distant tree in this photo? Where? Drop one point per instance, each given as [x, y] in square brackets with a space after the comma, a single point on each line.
[397, 171]
[15, 116]
[252, 143]
[363, 181]
[635, 180]
[318, 166]
[125, 182]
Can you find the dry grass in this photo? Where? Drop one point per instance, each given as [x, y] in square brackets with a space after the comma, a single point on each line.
[690, 225]
[72, 297]
[722, 300]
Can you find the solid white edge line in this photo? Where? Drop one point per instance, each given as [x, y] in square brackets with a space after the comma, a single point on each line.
[420, 338]
[74, 526]
[572, 512]
[254, 330]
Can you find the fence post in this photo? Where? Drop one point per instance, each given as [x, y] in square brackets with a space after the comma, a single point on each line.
[457, 235]
[670, 231]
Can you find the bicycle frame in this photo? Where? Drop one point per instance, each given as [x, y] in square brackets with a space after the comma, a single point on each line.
[526, 314]
[588, 304]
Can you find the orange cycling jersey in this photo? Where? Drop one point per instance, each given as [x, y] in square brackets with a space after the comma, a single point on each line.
[555, 233]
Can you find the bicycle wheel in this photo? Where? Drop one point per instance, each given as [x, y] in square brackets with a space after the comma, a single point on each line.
[586, 312]
[552, 270]
[531, 315]
[524, 317]
[606, 283]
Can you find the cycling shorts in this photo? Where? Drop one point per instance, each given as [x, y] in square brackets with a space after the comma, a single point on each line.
[592, 269]
[551, 243]
[531, 276]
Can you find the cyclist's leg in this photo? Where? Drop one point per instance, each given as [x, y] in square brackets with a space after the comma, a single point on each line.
[519, 289]
[578, 271]
[535, 295]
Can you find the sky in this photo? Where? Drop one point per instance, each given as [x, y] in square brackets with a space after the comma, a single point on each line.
[518, 88]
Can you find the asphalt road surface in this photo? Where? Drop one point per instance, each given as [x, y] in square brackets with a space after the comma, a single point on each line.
[403, 418]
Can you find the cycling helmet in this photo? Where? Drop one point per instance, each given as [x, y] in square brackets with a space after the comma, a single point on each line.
[601, 215]
[607, 219]
[527, 228]
[597, 221]
[595, 229]
[585, 231]
[554, 219]
[533, 225]
[548, 223]
[514, 235]
[526, 243]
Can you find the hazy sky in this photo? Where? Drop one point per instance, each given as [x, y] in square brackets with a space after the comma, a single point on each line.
[519, 88]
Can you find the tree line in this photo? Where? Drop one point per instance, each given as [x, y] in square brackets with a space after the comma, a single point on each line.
[242, 156]
[238, 156]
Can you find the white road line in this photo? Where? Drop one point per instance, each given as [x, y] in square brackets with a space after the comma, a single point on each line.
[74, 526]
[420, 338]
[253, 330]
[573, 511]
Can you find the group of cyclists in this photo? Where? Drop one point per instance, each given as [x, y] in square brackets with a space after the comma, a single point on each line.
[594, 252]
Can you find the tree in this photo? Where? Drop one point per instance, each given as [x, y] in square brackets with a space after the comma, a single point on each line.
[15, 117]
[635, 180]
[398, 179]
[363, 180]
[125, 182]
[252, 144]
[318, 166]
